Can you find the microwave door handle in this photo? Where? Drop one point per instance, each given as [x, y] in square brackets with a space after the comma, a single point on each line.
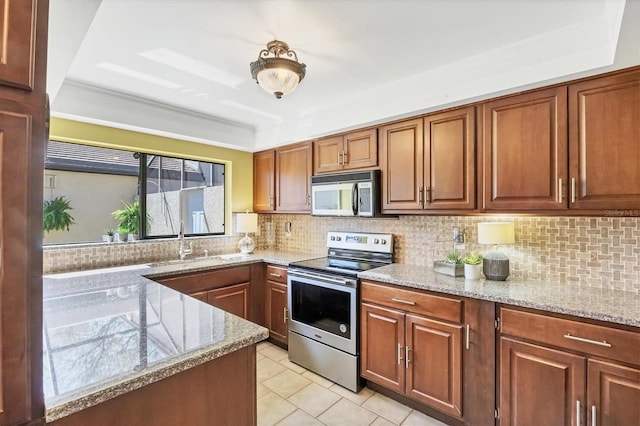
[354, 199]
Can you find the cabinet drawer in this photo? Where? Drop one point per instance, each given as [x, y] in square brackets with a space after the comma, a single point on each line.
[417, 302]
[592, 339]
[277, 273]
[195, 282]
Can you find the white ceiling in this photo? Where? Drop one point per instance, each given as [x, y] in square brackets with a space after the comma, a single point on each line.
[181, 68]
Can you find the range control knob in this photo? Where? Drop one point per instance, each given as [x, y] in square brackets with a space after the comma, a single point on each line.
[376, 241]
[338, 238]
[333, 238]
[384, 241]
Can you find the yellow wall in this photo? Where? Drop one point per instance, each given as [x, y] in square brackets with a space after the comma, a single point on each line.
[239, 164]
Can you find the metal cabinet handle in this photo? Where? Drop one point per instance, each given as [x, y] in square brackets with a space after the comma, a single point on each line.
[573, 190]
[344, 158]
[582, 339]
[399, 354]
[271, 202]
[427, 194]
[406, 356]
[275, 275]
[560, 191]
[406, 302]
[593, 415]
[419, 195]
[467, 338]
[285, 314]
[578, 413]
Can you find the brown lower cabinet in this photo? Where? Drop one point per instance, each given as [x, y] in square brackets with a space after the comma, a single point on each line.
[219, 392]
[229, 289]
[277, 314]
[552, 372]
[418, 344]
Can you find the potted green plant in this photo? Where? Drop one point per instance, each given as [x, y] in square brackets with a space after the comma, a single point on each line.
[129, 217]
[108, 236]
[56, 216]
[472, 266]
[451, 265]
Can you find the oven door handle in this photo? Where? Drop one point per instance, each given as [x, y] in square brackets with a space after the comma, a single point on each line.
[343, 282]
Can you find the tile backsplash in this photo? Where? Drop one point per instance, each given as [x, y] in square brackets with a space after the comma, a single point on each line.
[602, 252]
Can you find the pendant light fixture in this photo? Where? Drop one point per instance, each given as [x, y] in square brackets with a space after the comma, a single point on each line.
[276, 74]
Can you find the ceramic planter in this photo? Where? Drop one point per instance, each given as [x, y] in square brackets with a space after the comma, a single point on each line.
[472, 272]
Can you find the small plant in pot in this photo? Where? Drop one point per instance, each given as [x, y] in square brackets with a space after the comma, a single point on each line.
[129, 217]
[472, 266]
[108, 236]
[452, 265]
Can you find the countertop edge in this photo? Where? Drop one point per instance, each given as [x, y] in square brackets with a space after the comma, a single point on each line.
[189, 360]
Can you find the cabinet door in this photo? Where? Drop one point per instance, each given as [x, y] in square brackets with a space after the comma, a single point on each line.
[539, 386]
[361, 149]
[294, 167]
[449, 160]
[382, 347]
[401, 150]
[434, 367]
[613, 393]
[264, 181]
[525, 151]
[17, 43]
[233, 299]
[327, 155]
[277, 312]
[604, 140]
[21, 168]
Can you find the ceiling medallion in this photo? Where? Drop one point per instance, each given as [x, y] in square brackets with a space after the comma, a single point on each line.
[278, 75]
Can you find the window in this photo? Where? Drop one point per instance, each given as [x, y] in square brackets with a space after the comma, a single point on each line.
[98, 181]
[180, 192]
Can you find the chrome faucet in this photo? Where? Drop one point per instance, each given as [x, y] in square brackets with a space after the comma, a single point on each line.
[183, 251]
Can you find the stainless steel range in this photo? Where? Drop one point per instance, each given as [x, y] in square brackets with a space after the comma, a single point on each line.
[323, 296]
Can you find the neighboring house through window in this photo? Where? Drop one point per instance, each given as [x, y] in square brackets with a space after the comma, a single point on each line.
[97, 181]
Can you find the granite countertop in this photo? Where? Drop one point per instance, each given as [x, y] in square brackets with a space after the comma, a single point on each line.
[614, 306]
[111, 331]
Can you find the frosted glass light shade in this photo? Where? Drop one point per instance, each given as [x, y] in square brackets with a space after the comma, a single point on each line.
[496, 233]
[246, 222]
[278, 81]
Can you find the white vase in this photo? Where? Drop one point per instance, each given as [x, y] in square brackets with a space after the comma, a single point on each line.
[472, 272]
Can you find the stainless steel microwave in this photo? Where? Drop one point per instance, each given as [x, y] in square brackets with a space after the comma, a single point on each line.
[346, 194]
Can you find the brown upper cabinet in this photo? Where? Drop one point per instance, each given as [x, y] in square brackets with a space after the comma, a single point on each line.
[355, 150]
[567, 147]
[264, 181]
[604, 143]
[524, 140]
[281, 179]
[429, 163]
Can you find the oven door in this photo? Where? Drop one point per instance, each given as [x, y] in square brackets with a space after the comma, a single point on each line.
[323, 308]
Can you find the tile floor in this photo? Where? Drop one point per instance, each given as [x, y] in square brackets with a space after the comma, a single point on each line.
[289, 395]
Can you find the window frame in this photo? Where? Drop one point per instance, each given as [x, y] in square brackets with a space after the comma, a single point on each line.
[142, 190]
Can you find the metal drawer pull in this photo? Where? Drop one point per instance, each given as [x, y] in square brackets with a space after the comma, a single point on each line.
[593, 415]
[582, 339]
[275, 275]
[573, 190]
[406, 357]
[467, 343]
[406, 302]
[578, 412]
[399, 353]
[285, 315]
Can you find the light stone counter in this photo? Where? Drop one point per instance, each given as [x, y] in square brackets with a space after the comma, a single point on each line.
[594, 303]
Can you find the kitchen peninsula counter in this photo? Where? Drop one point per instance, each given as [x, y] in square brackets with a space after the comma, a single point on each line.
[615, 306]
[111, 331]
